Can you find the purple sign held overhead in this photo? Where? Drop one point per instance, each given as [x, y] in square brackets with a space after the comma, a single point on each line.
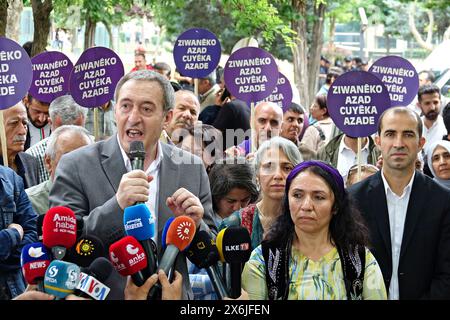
[355, 101]
[196, 53]
[400, 78]
[51, 73]
[15, 73]
[251, 74]
[95, 76]
[282, 94]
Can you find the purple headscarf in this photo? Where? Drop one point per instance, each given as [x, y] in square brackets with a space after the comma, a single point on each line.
[328, 168]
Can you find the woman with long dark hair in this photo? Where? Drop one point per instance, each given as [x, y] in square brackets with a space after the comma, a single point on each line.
[317, 248]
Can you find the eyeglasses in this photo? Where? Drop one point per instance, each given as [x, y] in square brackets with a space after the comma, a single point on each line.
[364, 168]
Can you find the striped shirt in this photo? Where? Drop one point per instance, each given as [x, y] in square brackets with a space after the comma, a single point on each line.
[38, 151]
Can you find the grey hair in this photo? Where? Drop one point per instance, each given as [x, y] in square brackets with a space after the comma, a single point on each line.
[225, 176]
[211, 78]
[287, 146]
[148, 75]
[67, 109]
[75, 130]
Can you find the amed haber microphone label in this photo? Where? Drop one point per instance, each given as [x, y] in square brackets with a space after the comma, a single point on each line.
[51, 73]
[64, 224]
[94, 77]
[355, 101]
[15, 73]
[251, 74]
[197, 53]
[400, 78]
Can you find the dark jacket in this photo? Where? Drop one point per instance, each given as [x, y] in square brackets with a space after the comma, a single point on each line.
[330, 151]
[424, 266]
[15, 207]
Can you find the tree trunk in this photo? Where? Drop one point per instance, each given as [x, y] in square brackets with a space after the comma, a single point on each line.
[300, 52]
[3, 17]
[89, 33]
[111, 39]
[412, 27]
[41, 19]
[315, 49]
[331, 47]
[15, 8]
[447, 34]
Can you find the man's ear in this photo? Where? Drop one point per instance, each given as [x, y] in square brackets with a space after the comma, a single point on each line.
[168, 117]
[48, 164]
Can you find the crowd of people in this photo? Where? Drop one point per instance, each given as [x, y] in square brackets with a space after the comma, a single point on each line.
[318, 229]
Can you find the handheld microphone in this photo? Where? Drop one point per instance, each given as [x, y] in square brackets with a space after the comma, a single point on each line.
[137, 155]
[59, 230]
[39, 224]
[128, 258]
[234, 246]
[139, 223]
[179, 235]
[34, 261]
[164, 232]
[61, 278]
[93, 279]
[203, 253]
[85, 251]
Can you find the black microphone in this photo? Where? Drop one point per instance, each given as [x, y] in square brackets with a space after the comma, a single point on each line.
[203, 253]
[86, 249]
[39, 224]
[101, 281]
[234, 245]
[137, 155]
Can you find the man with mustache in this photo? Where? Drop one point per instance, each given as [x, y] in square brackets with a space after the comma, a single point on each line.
[407, 213]
[429, 100]
[38, 126]
[185, 114]
[16, 125]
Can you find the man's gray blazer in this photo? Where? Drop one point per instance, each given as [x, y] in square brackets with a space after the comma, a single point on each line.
[87, 180]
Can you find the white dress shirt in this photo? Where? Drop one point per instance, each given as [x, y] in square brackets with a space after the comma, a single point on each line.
[153, 170]
[347, 157]
[435, 133]
[397, 208]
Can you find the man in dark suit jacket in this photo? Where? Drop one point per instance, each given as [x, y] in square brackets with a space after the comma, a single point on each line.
[97, 182]
[408, 214]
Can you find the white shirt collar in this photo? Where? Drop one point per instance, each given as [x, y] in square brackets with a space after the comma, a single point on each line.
[343, 146]
[153, 165]
[406, 190]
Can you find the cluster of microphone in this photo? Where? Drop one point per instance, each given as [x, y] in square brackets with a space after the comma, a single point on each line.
[67, 262]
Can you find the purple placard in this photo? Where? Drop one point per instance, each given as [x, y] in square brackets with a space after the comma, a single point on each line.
[51, 73]
[400, 78]
[251, 74]
[355, 101]
[95, 76]
[15, 73]
[282, 94]
[196, 53]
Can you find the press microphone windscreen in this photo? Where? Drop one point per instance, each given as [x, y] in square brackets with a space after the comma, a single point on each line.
[181, 232]
[34, 260]
[61, 278]
[235, 244]
[59, 228]
[164, 232]
[202, 252]
[138, 222]
[86, 249]
[127, 256]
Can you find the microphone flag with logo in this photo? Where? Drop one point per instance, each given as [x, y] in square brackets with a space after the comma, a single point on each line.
[59, 230]
[234, 246]
[128, 258]
[61, 278]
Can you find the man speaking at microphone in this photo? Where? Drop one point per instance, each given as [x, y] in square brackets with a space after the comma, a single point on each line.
[97, 182]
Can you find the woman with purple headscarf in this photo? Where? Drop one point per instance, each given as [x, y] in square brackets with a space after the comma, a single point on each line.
[317, 248]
